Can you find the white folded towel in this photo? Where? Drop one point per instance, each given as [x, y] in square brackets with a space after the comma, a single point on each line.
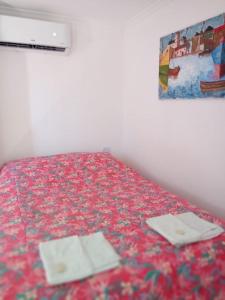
[75, 258]
[206, 229]
[100, 252]
[184, 228]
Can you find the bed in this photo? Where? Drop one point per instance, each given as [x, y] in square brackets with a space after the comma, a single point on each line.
[77, 194]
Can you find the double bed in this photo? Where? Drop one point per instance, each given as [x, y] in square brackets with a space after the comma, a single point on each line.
[47, 198]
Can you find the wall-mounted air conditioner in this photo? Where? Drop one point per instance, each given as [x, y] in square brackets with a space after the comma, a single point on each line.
[16, 32]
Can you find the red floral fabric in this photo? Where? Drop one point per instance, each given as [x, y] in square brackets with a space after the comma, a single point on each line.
[77, 194]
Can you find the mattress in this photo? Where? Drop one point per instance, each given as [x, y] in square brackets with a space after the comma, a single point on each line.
[47, 198]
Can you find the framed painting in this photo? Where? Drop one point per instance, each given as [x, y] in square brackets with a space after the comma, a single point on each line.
[192, 61]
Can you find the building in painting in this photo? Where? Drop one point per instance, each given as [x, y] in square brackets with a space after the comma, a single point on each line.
[203, 42]
[197, 43]
[177, 39]
[183, 46]
[208, 37]
[219, 35]
[172, 44]
[180, 51]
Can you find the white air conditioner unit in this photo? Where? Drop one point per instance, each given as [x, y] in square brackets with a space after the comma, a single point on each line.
[26, 33]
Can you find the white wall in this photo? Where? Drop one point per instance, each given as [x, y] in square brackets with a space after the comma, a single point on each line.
[180, 144]
[51, 103]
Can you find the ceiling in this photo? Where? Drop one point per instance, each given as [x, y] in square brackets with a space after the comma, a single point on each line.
[118, 10]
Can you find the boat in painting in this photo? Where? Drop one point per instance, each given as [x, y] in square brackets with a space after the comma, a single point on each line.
[174, 72]
[212, 86]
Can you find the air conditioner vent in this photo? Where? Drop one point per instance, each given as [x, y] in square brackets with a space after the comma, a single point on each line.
[32, 46]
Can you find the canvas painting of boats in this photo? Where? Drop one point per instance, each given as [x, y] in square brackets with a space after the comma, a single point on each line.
[192, 61]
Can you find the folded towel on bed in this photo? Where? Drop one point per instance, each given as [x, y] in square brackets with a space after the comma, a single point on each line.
[206, 229]
[184, 228]
[100, 252]
[75, 258]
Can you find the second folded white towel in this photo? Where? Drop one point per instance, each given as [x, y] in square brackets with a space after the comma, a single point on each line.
[184, 228]
[75, 258]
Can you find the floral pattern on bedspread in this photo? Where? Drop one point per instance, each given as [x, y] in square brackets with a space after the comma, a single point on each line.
[77, 194]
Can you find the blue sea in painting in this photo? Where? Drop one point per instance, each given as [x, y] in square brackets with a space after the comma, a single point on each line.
[193, 69]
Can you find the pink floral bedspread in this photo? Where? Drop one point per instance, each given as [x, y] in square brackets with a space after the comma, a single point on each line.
[76, 194]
